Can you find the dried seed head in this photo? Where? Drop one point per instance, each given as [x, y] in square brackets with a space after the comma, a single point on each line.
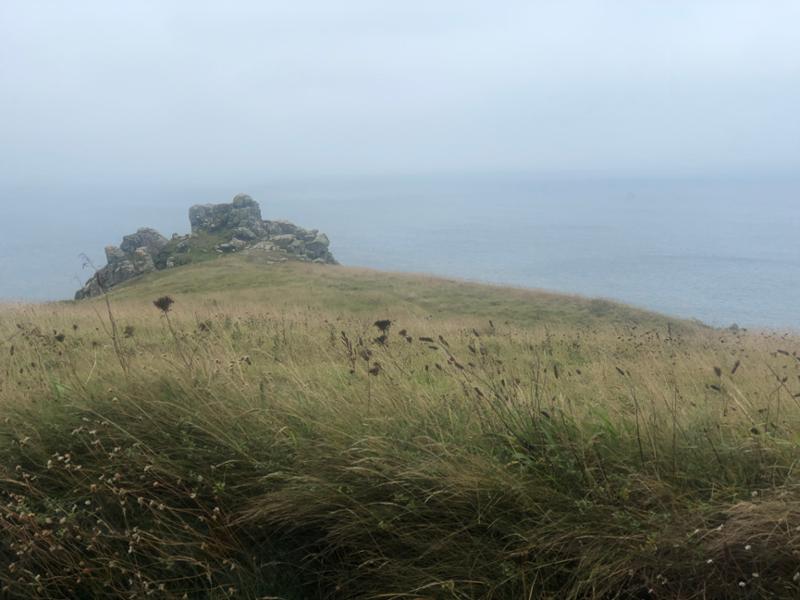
[383, 325]
[164, 304]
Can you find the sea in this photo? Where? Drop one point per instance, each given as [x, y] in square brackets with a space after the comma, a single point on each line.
[721, 250]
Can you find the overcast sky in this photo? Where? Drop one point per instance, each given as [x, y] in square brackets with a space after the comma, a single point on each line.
[213, 91]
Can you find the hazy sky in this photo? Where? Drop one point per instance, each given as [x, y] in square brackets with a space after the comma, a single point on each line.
[101, 91]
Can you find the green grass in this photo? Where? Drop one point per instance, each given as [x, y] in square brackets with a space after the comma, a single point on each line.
[262, 441]
[366, 292]
[198, 248]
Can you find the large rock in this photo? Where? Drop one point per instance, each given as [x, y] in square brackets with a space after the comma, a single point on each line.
[243, 212]
[318, 247]
[146, 238]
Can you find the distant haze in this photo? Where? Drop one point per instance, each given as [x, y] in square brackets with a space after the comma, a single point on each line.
[236, 92]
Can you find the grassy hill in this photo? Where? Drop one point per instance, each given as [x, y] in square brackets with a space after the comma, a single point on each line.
[367, 293]
[264, 438]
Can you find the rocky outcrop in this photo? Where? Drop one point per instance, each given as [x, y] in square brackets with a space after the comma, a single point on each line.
[241, 220]
[134, 257]
[233, 227]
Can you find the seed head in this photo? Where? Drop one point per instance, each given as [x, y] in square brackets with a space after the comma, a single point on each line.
[383, 325]
[164, 304]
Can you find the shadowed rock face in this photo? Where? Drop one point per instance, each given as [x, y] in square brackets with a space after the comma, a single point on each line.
[237, 224]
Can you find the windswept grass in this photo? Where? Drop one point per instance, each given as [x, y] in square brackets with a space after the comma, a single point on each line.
[273, 442]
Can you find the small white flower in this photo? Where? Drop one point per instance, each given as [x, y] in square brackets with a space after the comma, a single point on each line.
[748, 547]
[742, 584]
[709, 561]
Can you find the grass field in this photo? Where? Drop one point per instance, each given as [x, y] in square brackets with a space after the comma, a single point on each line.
[263, 438]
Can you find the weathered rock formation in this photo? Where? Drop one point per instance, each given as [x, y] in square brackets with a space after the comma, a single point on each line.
[242, 216]
[233, 227]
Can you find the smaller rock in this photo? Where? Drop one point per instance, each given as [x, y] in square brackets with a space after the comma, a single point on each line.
[233, 246]
[283, 240]
[243, 233]
[264, 246]
[114, 254]
[276, 228]
[143, 260]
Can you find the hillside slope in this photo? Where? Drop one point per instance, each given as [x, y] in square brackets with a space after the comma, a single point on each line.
[258, 277]
[290, 430]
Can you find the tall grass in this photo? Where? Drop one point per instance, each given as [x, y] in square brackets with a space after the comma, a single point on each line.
[250, 452]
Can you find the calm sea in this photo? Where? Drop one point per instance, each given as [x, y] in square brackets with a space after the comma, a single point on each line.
[722, 252]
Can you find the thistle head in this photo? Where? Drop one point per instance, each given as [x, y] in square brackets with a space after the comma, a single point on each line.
[164, 304]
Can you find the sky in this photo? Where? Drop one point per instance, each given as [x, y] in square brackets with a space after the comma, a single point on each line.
[211, 92]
